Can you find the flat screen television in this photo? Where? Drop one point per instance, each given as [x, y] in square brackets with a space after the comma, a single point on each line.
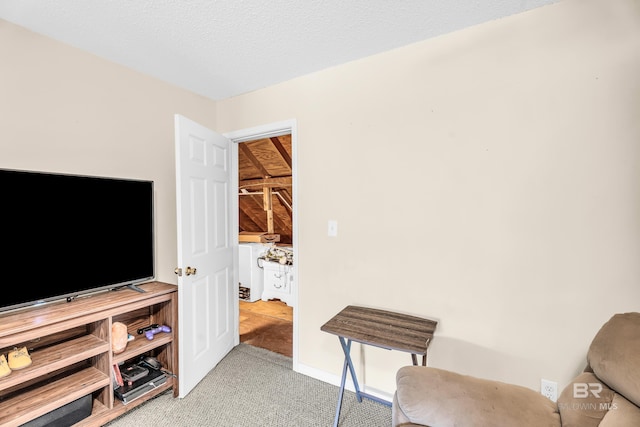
[68, 235]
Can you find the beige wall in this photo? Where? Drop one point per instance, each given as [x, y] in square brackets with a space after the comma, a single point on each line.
[488, 179]
[62, 110]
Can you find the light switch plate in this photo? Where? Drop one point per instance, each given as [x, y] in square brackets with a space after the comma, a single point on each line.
[332, 228]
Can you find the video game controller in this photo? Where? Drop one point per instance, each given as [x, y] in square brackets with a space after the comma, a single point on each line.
[147, 328]
[151, 332]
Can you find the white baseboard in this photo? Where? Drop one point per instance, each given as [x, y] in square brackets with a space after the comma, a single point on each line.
[335, 380]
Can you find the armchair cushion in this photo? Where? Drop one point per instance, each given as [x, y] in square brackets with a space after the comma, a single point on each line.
[613, 355]
[622, 414]
[582, 408]
[462, 400]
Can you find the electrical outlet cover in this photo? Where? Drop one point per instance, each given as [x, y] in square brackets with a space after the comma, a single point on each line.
[549, 389]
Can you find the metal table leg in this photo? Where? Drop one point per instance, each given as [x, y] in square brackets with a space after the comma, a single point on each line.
[346, 348]
[347, 361]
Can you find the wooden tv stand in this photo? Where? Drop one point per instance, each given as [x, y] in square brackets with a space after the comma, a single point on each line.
[70, 348]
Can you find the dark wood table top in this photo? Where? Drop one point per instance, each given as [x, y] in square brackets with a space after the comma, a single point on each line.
[381, 328]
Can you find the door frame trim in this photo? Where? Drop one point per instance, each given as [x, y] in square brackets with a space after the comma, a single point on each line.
[250, 134]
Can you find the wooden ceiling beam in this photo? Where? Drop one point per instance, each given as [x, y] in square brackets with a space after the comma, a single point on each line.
[246, 151]
[259, 220]
[283, 153]
[285, 209]
[246, 222]
[280, 226]
[285, 181]
[286, 196]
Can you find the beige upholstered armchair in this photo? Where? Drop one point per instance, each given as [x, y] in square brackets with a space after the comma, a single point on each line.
[606, 394]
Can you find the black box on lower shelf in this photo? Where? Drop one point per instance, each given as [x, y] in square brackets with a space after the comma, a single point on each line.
[66, 415]
[132, 390]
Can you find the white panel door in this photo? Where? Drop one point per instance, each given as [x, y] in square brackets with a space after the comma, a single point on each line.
[207, 290]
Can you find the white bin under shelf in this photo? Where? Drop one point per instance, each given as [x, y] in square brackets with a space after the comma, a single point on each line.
[250, 274]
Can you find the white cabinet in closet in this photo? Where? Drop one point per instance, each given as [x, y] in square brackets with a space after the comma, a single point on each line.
[278, 282]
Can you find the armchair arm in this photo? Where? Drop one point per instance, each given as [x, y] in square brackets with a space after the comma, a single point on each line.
[439, 398]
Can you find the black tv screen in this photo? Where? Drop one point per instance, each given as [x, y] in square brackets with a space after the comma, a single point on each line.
[67, 235]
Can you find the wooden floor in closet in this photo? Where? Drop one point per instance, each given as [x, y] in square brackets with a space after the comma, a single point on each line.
[267, 324]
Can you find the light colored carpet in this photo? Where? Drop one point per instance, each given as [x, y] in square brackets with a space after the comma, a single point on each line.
[253, 387]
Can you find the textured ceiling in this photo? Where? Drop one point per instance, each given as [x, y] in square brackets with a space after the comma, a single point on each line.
[223, 48]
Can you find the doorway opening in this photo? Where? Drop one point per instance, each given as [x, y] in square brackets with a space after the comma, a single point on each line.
[265, 161]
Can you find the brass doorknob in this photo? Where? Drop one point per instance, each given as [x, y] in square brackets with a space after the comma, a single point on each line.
[178, 271]
[190, 270]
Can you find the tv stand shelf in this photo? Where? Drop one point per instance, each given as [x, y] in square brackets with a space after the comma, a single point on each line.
[70, 348]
